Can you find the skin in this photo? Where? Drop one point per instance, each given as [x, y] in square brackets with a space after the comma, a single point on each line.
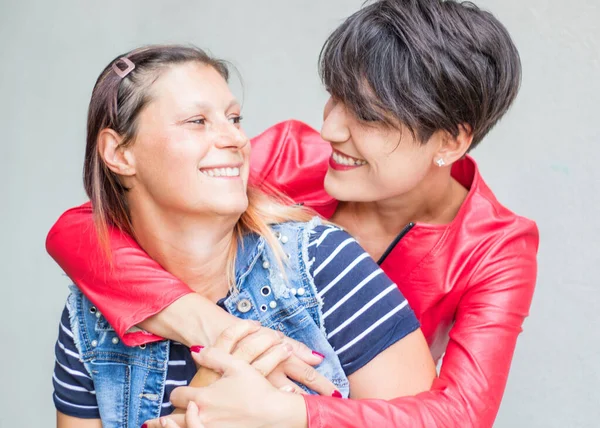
[184, 219]
[399, 183]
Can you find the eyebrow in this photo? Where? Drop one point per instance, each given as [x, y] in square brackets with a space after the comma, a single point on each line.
[233, 103]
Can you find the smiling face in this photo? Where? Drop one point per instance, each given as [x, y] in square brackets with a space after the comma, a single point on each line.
[190, 154]
[371, 161]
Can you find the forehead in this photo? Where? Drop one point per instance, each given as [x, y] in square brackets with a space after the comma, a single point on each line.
[191, 83]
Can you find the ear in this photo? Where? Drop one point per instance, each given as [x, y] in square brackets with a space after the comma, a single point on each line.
[453, 148]
[116, 157]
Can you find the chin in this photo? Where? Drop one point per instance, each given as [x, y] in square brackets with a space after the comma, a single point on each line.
[237, 207]
[339, 189]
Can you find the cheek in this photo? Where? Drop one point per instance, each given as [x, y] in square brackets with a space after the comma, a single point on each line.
[168, 165]
[401, 171]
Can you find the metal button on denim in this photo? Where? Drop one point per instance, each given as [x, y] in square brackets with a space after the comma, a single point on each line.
[266, 264]
[301, 291]
[284, 239]
[94, 343]
[273, 304]
[244, 305]
[265, 291]
[115, 340]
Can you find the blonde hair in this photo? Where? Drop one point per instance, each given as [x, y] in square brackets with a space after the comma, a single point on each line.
[262, 212]
[116, 102]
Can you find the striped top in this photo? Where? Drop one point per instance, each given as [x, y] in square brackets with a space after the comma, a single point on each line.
[363, 313]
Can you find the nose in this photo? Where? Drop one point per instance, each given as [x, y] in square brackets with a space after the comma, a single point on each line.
[335, 128]
[231, 137]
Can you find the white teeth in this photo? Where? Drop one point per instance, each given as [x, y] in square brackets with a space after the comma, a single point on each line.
[221, 172]
[343, 160]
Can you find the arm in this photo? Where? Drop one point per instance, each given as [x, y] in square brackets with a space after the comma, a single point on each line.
[131, 289]
[74, 396]
[64, 421]
[477, 361]
[405, 368]
[368, 321]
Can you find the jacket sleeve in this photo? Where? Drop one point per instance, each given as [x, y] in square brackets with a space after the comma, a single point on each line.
[127, 288]
[478, 357]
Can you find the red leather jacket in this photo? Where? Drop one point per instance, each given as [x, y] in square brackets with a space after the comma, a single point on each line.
[470, 283]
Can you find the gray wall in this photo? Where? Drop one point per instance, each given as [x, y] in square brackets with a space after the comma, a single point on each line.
[542, 161]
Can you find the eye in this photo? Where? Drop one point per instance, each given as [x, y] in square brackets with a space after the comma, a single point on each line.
[236, 120]
[200, 121]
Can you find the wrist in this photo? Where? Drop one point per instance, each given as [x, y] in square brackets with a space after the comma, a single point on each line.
[203, 321]
[289, 412]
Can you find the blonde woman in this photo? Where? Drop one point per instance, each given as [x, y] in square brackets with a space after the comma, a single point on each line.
[167, 163]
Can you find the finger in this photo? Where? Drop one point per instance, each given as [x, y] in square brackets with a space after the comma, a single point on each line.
[256, 344]
[269, 361]
[167, 422]
[178, 420]
[281, 382]
[303, 352]
[192, 416]
[181, 397]
[218, 360]
[229, 337]
[305, 374]
[292, 388]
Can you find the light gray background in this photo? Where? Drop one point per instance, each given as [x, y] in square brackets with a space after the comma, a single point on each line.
[542, 162]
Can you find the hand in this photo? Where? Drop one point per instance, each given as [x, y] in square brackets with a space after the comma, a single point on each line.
[191, 419]
[274, 356]
[241, 398]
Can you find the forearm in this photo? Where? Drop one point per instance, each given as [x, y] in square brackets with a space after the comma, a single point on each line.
[191, 320]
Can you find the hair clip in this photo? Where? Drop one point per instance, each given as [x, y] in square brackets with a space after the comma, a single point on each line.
[123, 73]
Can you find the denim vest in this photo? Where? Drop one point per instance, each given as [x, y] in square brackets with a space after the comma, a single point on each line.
[130, 382]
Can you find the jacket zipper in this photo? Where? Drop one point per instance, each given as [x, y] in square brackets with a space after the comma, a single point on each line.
[391, 247]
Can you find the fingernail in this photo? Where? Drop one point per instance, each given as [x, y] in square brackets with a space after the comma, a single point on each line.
[336, 394]
[196, 348]
[145, 426]
[287, 388]
[318, 354]
[163, 422]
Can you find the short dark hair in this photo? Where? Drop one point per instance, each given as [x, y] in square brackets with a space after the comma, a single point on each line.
[427, 64]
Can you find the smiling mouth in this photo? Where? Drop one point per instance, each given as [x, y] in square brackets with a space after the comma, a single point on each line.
[221, 172]
[342, 162]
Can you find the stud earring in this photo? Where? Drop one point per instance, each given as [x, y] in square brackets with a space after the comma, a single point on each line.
[440, 162]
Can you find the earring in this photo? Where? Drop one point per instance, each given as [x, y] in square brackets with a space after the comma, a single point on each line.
[440, 162]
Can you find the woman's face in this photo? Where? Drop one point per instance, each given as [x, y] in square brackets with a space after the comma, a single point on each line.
[371, 161]
[190, 153]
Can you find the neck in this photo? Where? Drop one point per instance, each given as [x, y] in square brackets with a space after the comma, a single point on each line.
[436, 200]
[192, 247]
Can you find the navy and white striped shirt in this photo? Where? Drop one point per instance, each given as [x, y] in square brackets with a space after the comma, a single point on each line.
[363, 312]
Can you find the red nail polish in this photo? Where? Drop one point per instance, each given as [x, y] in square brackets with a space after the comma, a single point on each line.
[318, 354]
[336, 394]
[196, 348]
[145, 426]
